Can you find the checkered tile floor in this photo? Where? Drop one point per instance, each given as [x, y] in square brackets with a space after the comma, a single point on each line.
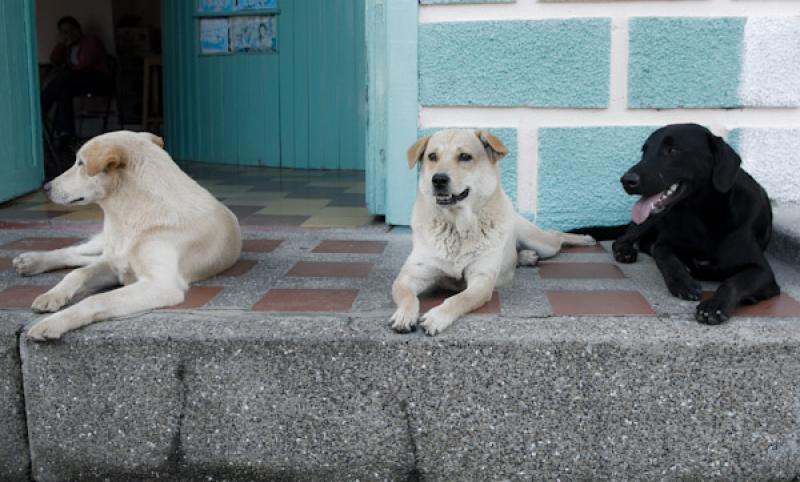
[258, 196]
[351, 271]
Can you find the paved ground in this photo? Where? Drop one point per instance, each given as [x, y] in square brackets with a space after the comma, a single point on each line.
[351, 271]
[258, 196]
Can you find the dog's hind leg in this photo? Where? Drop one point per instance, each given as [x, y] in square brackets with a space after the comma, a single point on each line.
[35, 262]
[546, 244]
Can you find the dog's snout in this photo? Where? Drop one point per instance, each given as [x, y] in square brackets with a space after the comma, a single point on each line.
[631, 180]
[440, 181]
[47, 187]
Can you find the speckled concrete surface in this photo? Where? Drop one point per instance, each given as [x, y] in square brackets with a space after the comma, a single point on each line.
[224, 393]
[14, 460]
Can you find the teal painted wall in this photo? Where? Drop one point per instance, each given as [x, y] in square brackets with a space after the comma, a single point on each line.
[579, 171]
[543, 63]
[20, 124]
[303, 107]
[685, 62]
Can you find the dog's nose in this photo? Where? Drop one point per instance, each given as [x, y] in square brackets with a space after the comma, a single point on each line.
[440, 181]
[631, 180]
[46, 187]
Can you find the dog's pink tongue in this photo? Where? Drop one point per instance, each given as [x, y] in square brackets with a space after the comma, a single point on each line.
[642, 208]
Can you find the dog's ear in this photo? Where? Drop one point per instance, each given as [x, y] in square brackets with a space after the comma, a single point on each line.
[104, 157]
[415, 152]
[494, 146]
[726, 164]
[156, 140]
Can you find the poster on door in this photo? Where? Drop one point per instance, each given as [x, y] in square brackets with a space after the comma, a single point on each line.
[216, 6]
[254, 34]
[214, 36]
[256, 4]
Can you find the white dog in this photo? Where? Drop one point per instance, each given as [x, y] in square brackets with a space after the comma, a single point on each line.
[465, 230]
[161, 231]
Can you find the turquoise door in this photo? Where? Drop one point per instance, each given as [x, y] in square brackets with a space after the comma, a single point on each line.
[301, 107]
[20, 124]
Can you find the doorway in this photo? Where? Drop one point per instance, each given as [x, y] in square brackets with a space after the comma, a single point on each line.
[300, 106]
[303, 106]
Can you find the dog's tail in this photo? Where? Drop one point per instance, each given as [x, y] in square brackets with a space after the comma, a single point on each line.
[546, 243]
[601, 233]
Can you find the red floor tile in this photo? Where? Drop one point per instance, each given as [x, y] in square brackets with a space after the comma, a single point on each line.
[5, 263]
[241, 267]
[319, 269]
[40, 244]
[274, 220]
[21, 296]
[553, 270]
[602, 302]
[306, 300]
[197, 297]
[782, 305]
[260, 245]
[355, 247]
[428, 301]
[597, 248]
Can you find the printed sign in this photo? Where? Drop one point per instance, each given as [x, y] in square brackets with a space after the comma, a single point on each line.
[209, 6]
[256, 4]
[214, 36]
[254, 34]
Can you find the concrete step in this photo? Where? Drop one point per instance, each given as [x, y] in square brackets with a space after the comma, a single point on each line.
[231, 395]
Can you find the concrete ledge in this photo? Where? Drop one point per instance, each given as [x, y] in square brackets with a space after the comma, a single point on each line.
[785, 243]
[14, 459]
[243, 396]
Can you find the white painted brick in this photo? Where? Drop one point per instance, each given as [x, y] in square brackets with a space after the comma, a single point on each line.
[770, 74]
[772, 157]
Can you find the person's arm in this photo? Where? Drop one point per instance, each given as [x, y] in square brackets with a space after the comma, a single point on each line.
[59, 55]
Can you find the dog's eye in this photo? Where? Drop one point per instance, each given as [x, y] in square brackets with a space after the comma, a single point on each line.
[673, 151]
[80, 163]
[433, 157]
[464, 157]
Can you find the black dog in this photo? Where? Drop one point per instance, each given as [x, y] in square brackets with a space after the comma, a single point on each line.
[700, 217]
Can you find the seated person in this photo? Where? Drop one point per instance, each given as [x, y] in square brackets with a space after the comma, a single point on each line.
[81, 64]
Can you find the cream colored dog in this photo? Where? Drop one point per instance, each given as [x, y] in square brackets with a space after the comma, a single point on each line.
[161, 231]
[465, 230]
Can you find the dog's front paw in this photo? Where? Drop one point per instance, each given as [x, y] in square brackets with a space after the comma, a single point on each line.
[436, 320]
[28, 264]
[50, 328]
[49, 302]
[713, 312]
[527, 257]
[685, 289]
[404, 320]
[624, 253]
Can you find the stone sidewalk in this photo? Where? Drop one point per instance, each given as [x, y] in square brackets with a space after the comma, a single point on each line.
[245, 382]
